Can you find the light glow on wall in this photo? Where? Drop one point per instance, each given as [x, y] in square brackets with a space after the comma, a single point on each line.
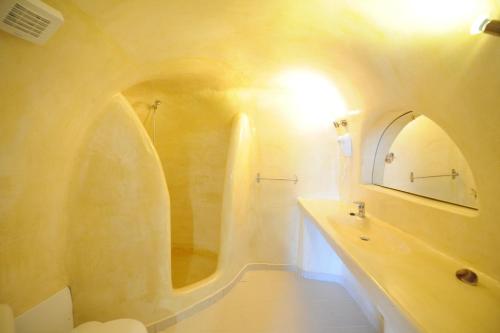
[312, 97]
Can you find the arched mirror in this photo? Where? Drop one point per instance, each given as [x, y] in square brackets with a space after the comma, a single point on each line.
[415, 155]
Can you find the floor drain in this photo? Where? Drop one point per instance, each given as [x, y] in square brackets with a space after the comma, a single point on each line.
[364, 238]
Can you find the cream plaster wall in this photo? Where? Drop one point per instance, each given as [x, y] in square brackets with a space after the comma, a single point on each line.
[51, 95]
[118, 215]
[192, 138]
[286, 147]
[238, 208]
[49, 102]
[118, 251]
[47, 98]
[456, 85]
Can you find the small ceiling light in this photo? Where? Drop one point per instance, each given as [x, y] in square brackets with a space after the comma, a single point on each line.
[484, 24]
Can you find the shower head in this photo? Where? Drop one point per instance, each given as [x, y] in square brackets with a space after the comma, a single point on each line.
[154, 107]
[156, 104]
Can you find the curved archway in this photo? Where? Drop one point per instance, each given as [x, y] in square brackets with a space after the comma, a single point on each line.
[191, 131]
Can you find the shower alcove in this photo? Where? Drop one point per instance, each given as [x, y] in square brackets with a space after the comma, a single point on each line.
[190, 127]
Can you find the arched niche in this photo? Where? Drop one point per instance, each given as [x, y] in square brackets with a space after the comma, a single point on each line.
[188, 116]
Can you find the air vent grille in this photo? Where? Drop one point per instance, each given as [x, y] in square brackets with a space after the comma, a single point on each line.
[30, 19]
[25, 20]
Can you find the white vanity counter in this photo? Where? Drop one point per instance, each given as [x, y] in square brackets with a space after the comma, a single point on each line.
[400, 270]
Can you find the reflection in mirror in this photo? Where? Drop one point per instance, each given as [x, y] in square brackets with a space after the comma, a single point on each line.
[415, 155]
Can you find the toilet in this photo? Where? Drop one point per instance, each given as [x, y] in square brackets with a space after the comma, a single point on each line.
[55, 316]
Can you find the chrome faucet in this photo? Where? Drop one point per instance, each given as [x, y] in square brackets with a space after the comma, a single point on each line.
[361, 209]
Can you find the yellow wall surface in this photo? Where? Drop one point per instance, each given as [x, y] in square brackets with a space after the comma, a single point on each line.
[454, 81]
[53, 101]
[287, 148]
[192, 138]
[50, 108]
[118, 215]
[45, 107]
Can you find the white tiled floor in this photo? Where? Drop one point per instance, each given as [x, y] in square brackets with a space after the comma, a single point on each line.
[279, 302]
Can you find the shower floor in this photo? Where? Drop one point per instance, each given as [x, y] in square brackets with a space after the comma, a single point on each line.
[191, 265]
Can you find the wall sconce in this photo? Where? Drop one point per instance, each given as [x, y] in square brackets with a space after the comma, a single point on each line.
[487, 26]
[341, 126]
[340, 123]
[343, 137]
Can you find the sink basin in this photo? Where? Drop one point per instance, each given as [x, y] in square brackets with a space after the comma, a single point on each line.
[398, 269]
[370, 234]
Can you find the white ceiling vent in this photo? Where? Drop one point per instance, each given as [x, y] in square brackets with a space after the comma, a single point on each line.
[29, 19]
